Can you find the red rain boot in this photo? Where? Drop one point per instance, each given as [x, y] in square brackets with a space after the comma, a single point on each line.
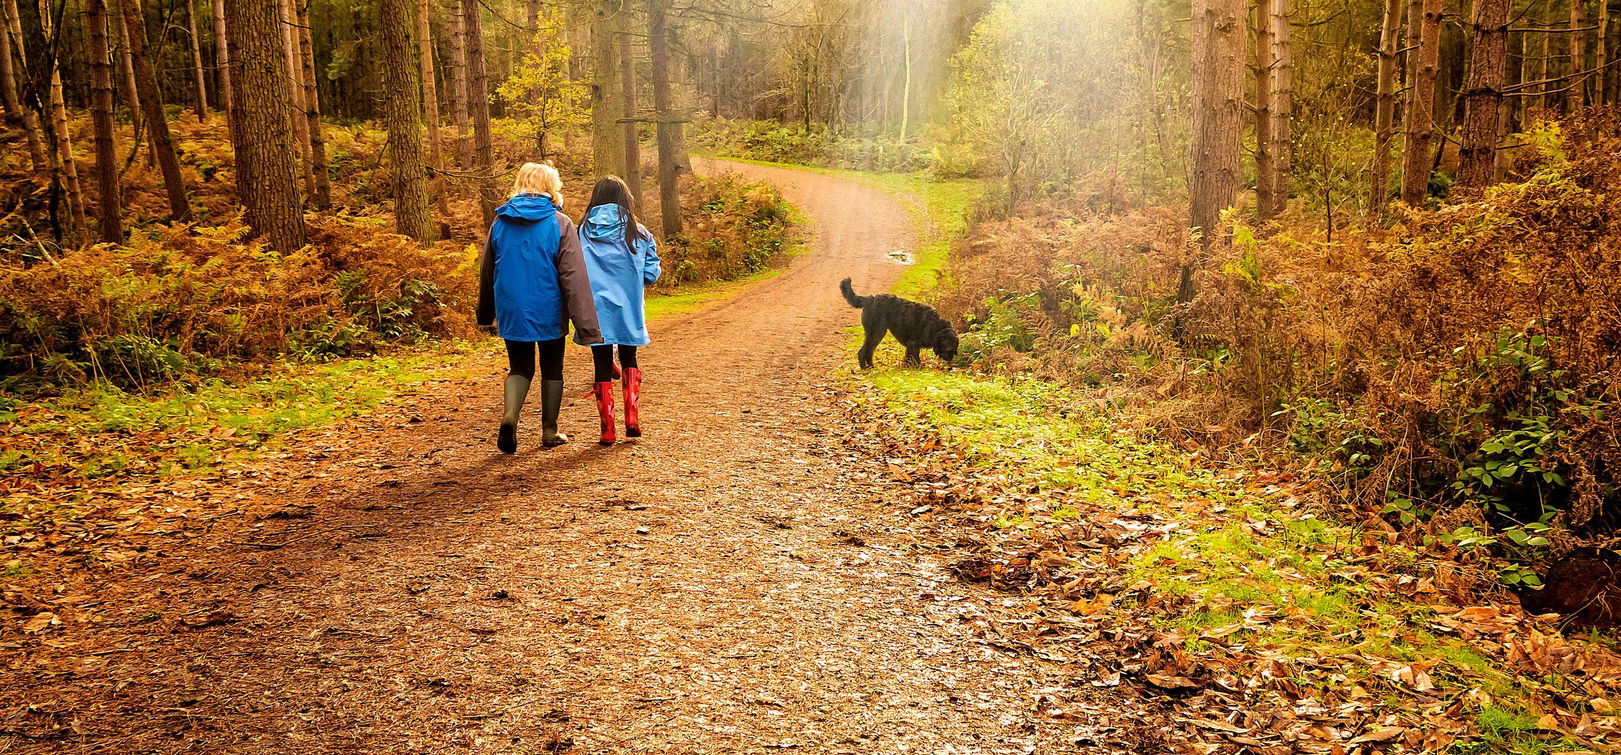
[605, 410]
[633, 399]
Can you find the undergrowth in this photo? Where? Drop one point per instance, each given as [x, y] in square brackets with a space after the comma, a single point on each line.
[1240, 572]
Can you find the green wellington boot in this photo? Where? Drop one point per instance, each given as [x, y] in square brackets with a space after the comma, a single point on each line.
[551, 404]
[517, 388]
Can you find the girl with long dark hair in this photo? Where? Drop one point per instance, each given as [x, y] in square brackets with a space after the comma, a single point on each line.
[622, 258]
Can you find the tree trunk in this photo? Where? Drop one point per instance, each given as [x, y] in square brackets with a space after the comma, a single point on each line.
[1483, 93]
[607, 148]
[109, 205]
[295, 94]
[197, 60]
[266, 177]
[633, 147]
[25, 118]
[1385, 109]
[1601, 55]
[906, 77]
[1283, 93]
[478, 105]
[430, 89]
[1578, 56]
[410, 176]
[458, 86]
[1265, 159]
[669, 128]
[157, 123]
[222, 59]
[132, 93]
[312, 110]
[63, 163]
[1218, 108]
[1420, 117]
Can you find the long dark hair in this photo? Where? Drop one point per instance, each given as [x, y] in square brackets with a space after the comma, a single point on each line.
[613, 190]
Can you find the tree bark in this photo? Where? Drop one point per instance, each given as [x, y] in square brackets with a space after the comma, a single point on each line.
[1601, 55]
[410, 176]
[1283, 93]
[157, 123]
[322, 196]
[458, 86]
[197, 60]
[430, 89]
[1218, 108]
[1420, 115]
[478, 106]
[1265, 159]
[63, 163]
[669, 128]
[109, 204]
[295, 94]
[1578, 56]
[1385, 109]
[607, 148]
[222, 60]
[1483, 94]
[127, 64]
[266, 177]
[26, 118]
[633, 147]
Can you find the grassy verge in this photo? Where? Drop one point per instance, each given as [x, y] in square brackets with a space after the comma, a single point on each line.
[71, 454]
[1231, 566]
[1235, 570]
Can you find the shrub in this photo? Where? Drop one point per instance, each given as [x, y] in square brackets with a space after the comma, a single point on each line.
[1458, 370]
[173, 302]
[733, 228]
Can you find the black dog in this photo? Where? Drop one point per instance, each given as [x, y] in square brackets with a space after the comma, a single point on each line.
[916, 326]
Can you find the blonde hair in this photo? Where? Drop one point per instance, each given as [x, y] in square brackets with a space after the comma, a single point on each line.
[539, 178]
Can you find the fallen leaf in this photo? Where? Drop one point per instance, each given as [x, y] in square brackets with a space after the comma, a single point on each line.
[1380, 735]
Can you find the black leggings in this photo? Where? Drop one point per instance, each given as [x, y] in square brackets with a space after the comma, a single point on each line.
[521, 358]
[602, 358]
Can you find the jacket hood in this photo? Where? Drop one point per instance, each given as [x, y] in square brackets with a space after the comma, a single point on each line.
[605, 222]
[527, 208]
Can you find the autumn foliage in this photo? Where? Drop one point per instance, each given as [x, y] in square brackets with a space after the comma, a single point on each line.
[1453, 375]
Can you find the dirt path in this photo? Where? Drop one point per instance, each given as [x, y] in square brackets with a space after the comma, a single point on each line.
[734, 582]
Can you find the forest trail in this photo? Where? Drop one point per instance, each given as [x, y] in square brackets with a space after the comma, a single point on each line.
[733, 582]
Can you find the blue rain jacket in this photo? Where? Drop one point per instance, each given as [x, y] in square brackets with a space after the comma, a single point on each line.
[618, 274]
[532, 278]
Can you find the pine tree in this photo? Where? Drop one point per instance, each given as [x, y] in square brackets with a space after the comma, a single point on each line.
[1419, 119]
[1477, 158]
[157, 122]
[109, 204]
[478, 107]
[266, 177]
[411, 218]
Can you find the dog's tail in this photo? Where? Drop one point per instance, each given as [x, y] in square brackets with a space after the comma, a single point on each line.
[850, 294]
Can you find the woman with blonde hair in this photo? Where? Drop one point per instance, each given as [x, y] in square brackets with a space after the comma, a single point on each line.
[532, 282]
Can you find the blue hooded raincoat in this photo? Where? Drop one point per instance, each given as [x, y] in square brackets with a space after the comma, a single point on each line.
[618, 274]
[532, 278]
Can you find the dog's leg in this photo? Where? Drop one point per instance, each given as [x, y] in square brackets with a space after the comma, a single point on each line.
[874, 335]
[914, 356]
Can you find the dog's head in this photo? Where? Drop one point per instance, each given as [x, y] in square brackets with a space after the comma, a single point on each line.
[945, 343]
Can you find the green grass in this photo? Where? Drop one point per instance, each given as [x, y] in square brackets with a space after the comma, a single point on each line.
[100, 436]
[1237, 547]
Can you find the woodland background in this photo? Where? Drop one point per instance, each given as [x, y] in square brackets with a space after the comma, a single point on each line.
[1372, 243]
